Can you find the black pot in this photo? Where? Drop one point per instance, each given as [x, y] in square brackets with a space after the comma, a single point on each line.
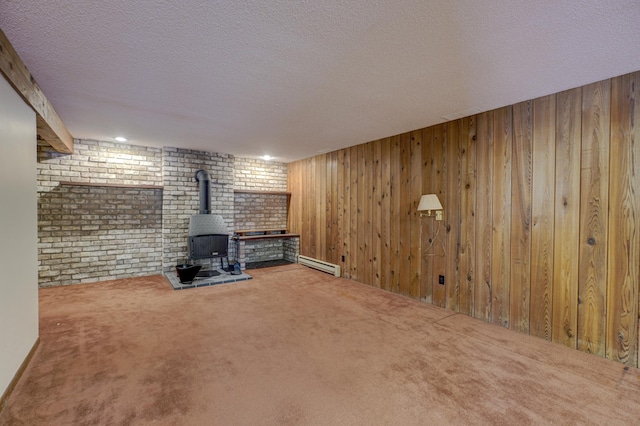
[187, 273]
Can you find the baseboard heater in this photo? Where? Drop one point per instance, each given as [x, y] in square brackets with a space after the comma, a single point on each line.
[320, 265]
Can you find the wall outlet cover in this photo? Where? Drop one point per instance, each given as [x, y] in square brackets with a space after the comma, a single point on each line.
[441, 279]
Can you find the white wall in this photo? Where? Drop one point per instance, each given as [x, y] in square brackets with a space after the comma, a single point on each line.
[18, 233]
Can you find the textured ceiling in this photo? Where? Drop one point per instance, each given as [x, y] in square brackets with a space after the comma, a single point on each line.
[295, 78]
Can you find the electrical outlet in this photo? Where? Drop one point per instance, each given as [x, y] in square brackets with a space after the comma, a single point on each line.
[441, 279]
[343, 258]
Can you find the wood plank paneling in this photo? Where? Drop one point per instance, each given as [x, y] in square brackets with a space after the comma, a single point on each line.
[377, 214]
[331, 207]
[353, 228]
[594, 214]
[416, 193]
[361, 233]
[624, 214]
[501, 215]
[292, 209]
[635, 137]
[451, 205]
[307, 209]
[467, 213]
[312, 212]
[396, 213]
[567, 218]
[385, 215]
[320, 221]
[405, 214]
[341, 186]
[542, 215]
[347, 214]
[439, 291]
[521, 181]
[426, 224]
[484, 214]
[368, 213]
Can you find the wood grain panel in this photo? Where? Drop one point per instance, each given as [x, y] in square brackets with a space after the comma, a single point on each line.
[521, 181]
[385, 215]
[346, 196]
[395, 212]
[368, 213]
[292, 220]
[304, 212]
[426, 224]
[304, 226]
[361, 232]
[467, 213]
[567, 218]
[405, 214]
[296, 189]
[340, 189]
[377, 214]
[416, 192]
[331, 207]
[439, 291]
[543, 190]
[312, 208]
[299, 198]
[501, 215]
[320, 222]
[312, 212]
[635, 137]
[451, 205]
[484, 214]
[353, 227]
[594, 206]
[624, 214]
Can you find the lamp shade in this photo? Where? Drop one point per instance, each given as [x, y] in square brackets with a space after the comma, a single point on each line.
[429, 202]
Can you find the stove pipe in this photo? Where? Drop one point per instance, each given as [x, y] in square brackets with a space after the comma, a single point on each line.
[203, 177]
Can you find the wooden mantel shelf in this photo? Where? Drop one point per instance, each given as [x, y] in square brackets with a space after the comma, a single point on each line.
[111, 185]
[248, 191]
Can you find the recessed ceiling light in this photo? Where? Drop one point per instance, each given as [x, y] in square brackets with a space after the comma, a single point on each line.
[267, 157]
[120, 139]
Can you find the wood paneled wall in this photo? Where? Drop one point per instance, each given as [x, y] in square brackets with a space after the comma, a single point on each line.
[542, 215]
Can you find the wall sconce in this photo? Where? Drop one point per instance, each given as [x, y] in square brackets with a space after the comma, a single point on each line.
[430, 203]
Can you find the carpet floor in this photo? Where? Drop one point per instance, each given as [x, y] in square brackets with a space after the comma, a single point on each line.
[295, 346]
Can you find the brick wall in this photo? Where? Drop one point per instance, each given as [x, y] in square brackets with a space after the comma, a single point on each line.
[291, 248]
[100, 162]
[88, 234]
[264, 250]
[260, 211]
[260, 175]
[181, 196]
[94, 233]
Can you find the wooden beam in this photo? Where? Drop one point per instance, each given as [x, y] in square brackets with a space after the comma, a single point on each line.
[50, 127]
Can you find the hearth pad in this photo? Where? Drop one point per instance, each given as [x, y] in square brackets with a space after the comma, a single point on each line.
[223, 277]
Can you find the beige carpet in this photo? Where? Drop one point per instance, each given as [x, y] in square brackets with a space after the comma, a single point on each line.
[298, 347]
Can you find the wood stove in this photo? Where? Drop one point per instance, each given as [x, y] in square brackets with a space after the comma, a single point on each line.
[208, 246]
[208, 234]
